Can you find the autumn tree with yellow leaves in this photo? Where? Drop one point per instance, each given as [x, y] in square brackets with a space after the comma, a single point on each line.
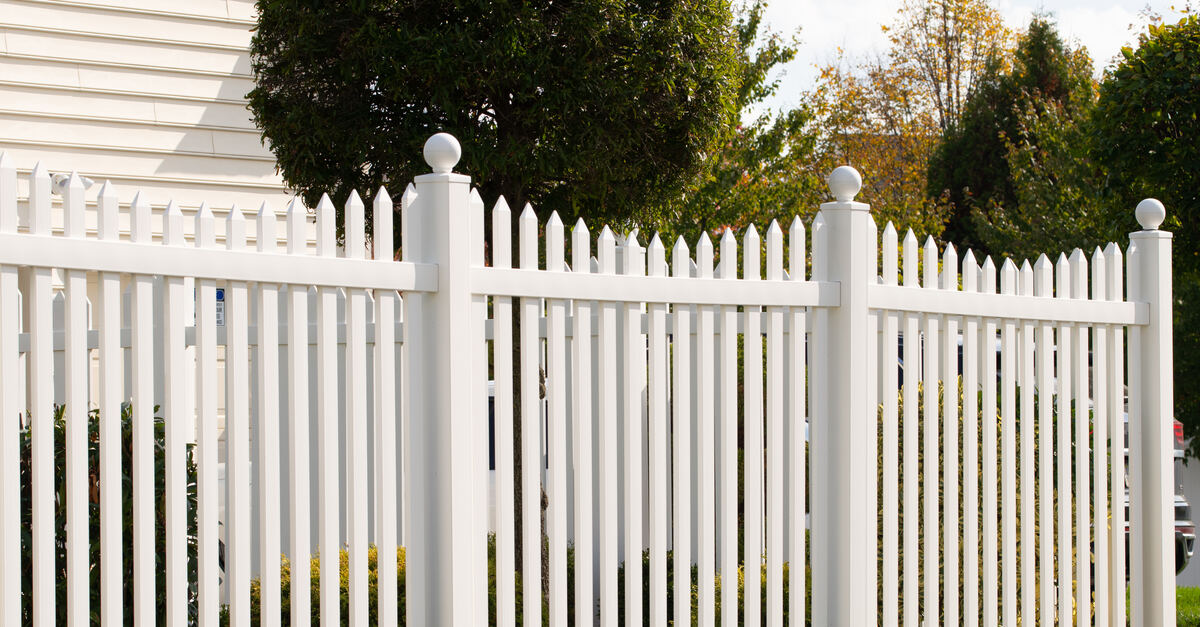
[885, 115]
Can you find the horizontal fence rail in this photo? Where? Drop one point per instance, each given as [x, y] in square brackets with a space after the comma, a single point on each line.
[547, 424]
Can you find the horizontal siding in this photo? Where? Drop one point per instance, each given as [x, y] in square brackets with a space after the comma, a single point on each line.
[149, 94]
[105, 21]
[134, 108]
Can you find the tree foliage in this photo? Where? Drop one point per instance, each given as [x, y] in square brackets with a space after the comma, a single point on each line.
[595, 107]
[999, 168]
[1145, 127]
[763, 169]
[884, 115]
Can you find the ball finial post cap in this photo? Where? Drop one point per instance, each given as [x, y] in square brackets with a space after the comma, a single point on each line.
[845, 182]
[442, 152]
[1150, 214]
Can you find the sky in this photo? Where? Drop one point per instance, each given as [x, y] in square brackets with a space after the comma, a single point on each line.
[854, 25]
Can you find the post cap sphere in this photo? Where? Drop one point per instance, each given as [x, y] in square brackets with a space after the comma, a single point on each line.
[1150, 213]
[845, 182]
[442, 152]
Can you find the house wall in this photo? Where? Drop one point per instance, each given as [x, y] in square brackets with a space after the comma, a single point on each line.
[148, 94]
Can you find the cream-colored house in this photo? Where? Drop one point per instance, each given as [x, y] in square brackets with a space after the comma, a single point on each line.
[148, 94]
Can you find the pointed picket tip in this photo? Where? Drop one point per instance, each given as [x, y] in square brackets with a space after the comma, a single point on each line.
[1113, 250]
[5, 161]
[325, 206]
[295, 209]
[1062, 258]
[172, 224]
[1077, 255]
[527, 214]
[1008, 265]
[205, 212]
[39, 171]
[580, 226]
[969, 258]
[704, 242]
[606, 235]
[631, 239]
[773, 230]
[501, 205]
[681, 244]
[729, 240]
[138, 200]
[910, 238]
[656, 244]
[409, 196]
[382, 195]
[1097, 254]
[75, 182]
[1026, 266]
[819, 219]
[264, 214]
[1043, 262]
[797, 225]
[107, 190]
[988, 264]
[554, 220]
[930, 242]
[890, 229]
[236, 214]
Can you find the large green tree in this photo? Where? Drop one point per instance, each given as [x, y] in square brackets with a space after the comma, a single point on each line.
[1047, 85]
[1145, 132]
[591, 107]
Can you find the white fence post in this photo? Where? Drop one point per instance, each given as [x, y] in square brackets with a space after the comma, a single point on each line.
[447, 550]
[1151, 453]
[843, 582]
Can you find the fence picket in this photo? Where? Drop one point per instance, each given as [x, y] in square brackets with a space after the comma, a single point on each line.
[752, 384]
[950, 465]
[267, 358]
[328, 522]
[356, 416]
[657, 403]
[912, 430]
[991, 553]
[606, 256]
[1008, 451]
[76, 432]
[237, 433]
[890, 453]
[1115, 387]
[930, 431]
[208, 498]
[10, 415]
[386, 417]
[1099, 447]
[177, 416]
[1083, 587]
[582, 431]
[681, 398]
[1043, 286]
[970, 437]
[531, 455]
[727, 411]
[1026, 427]
[705, 443]
[1063, 450]
[797, 417]
[774, 434]
[556, 428]
[635, 434]
[299, 419]
[142, 353]
[502, 326]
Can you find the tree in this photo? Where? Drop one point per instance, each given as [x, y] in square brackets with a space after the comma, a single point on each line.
[885, 115]
[944, 46]
[589, 108]
[1144, 132]
[1013, 119]
[762, 169]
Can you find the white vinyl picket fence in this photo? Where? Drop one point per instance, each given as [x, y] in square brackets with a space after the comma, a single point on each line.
[919, 440]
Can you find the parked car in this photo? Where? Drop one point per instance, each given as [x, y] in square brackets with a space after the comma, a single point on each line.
[1185, 529]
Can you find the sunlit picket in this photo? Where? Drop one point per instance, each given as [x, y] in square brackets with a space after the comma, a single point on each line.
[919, 435]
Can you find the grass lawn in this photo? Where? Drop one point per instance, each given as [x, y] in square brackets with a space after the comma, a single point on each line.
[1187, 603]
